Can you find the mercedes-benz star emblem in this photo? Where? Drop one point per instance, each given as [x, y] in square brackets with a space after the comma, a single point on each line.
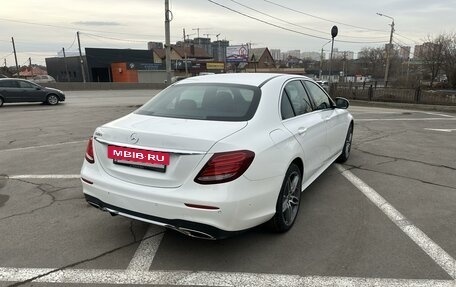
[134, 138]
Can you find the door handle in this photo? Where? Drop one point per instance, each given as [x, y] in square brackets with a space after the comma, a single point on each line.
[302, 131]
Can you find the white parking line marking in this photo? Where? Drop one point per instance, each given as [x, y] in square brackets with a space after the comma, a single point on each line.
[40, 146]
[440, 256]
[144, 255]
[438, 114]
[407, 119]
[189, 278]
[45, 176]
[441, 130]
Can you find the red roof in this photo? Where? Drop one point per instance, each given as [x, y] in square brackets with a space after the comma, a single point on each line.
[26, 72]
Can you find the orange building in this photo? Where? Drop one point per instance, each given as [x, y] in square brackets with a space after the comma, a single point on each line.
[121, 73]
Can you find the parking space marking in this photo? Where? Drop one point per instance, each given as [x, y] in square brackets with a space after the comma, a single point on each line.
[407, 119]
[144, 255]
[44, 176]
[440, 256]
[41, 146]
[441, 130]
[201, 278]
[438, 114]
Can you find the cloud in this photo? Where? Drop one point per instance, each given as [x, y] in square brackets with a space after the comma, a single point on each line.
[97, 23]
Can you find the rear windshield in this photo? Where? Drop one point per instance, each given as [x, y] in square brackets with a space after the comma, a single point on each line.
[216, 102]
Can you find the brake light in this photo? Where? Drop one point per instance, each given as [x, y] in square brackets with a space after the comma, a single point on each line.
[89, 151]
[225, 166]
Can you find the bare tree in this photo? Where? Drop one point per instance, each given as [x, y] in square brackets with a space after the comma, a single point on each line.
[432, 55]
[374, 59]
[449, 65]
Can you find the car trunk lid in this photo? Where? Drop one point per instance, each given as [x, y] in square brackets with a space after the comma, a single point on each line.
[183, 141]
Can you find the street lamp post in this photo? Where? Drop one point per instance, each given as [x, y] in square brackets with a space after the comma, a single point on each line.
[334, 32]
[321, 59]
[168, 19]
[388, 49]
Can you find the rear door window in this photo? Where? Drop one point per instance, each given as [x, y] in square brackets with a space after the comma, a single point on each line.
[25, 85]
[9, 84]
[297, 96]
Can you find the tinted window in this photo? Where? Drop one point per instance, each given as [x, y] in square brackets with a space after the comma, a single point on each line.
[8, 84]
[220, 102]
[298, 97]
[319, 97]
[285, 107]
[25, 85]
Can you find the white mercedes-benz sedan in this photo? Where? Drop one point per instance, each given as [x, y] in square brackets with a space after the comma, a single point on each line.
[212, 156]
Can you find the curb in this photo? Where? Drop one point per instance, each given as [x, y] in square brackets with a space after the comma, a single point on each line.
[440, 108]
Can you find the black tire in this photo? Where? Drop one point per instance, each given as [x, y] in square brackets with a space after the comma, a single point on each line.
[52, 99]
[347, 146]
[1, 101]
[288, 202]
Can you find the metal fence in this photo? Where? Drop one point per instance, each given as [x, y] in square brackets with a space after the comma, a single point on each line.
[396, 95]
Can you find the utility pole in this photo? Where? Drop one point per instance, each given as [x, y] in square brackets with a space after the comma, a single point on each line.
[185, 54]
[321, 64]
[343, 67]
[81, 59]
[334, 32]
[66, 65]
[15, 56]
[168, 19]
[30, 66]
[388, 49]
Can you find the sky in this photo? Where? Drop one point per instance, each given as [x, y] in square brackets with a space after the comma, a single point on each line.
[42, 28]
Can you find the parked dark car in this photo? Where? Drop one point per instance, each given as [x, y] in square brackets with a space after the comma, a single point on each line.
[18, 90]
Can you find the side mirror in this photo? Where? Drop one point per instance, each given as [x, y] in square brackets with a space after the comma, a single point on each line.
[38, 88]
[342, 103]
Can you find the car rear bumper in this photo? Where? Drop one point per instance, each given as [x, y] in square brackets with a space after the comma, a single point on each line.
[193, 229]
[239, 205]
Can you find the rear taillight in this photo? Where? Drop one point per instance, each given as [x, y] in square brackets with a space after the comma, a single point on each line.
[89, 151]
[224, 167]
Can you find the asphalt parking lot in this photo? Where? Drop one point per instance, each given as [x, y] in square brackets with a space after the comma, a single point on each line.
[385, 218]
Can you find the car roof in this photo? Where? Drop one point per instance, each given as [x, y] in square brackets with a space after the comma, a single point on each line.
[18, 80]
[251, 79]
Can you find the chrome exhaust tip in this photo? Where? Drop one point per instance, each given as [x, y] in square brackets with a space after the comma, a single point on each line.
[94, 205]
[195, 233]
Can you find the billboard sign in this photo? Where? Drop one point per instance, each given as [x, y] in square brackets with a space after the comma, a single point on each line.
[215, 66]
[237, 54]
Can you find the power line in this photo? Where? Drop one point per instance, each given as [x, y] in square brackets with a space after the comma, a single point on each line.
[277, 18]
[321, 18]
[296, 25]
[287, 29]
[7, 55]
[416, 42]
[403, 43]
[116, 39]
[265, 22]
[74, 28]
[410, 52]
[74, 41]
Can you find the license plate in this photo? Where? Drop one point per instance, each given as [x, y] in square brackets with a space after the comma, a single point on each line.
[140, 156]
